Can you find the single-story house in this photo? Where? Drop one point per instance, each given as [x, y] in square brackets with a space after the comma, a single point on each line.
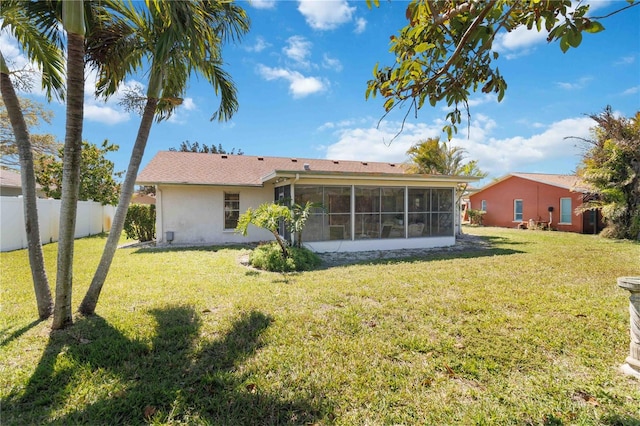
[366, 205]
[11, 184]
[545, 200]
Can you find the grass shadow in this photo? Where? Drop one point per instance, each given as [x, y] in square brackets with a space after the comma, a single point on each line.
[178, 377]
[19, 332]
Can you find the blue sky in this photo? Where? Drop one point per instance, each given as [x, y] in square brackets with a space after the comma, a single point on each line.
[301, 76]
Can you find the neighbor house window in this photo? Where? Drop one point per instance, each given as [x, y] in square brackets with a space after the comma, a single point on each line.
[231, 210]
[483, 205]
[565, 210]
[517, 210]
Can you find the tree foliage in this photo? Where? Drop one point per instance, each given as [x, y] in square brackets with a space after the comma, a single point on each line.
[612, 167]
[140, 223]
[446, 50]
[98, 179]
[267, 216]
[434, 157]
[34, 115]
[186, 146]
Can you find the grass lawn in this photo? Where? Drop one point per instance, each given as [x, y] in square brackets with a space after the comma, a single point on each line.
[529, 332]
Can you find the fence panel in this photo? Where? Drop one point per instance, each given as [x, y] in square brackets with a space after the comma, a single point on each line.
[92, 218]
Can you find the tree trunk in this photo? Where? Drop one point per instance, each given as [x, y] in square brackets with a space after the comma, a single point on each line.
[70, 179]
[88, 305]
[27, 175]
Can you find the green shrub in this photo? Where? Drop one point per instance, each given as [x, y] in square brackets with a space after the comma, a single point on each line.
[269, 257]
[475, 216]
[140, 223]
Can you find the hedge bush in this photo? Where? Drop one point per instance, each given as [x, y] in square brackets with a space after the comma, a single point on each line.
[140, 222]
[269, 257]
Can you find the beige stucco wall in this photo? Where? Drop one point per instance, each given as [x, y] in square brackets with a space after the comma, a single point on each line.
[195, 214]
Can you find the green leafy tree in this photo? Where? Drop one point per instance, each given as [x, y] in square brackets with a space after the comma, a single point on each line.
[612, 167]
[434, 157]
[34, 114]
[140, 223]
[267, 216]
[34, 24]
[186, 146]
[299, 216]
[175, 39]
[98, 179]
[446, 50]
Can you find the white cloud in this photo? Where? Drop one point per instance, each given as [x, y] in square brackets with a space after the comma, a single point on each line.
[188, 104]
[371, 143]
[263, 4]
[331, 63]
[361, 25]
[258, 46]
[631, 90]
[299, 85]
[626, 60]
[574, 85]
[518, 153]
[519, 41]
[497, 156]
[325, 15]
[298, 49]
[104, 114]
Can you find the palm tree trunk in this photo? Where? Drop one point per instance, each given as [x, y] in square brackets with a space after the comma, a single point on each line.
[27, 175]
[88, 305]
[70, 179]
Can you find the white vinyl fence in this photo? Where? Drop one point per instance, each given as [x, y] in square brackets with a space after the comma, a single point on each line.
[92, 218]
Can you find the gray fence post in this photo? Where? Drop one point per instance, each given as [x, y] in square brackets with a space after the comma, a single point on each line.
[632, 363]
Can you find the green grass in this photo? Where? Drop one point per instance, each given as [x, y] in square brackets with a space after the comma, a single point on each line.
[529, 332]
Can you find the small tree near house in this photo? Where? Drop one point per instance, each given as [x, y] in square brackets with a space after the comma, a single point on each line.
[283, 258]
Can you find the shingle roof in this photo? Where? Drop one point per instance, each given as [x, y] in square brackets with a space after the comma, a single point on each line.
[10, 179]
[570, 182]
[218, 169]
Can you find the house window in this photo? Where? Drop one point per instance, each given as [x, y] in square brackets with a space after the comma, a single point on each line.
[483, 205]
[231, 210]
[379, 212]
[517, 210]
[430, 212]
[565, 210]
[333, 220]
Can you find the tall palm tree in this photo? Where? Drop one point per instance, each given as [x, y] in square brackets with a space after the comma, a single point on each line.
[176, 39]
[34, 24]
[74, 25]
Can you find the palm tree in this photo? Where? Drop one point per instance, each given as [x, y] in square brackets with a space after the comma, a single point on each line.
[176, 38]
[34, 24]
[74, 25]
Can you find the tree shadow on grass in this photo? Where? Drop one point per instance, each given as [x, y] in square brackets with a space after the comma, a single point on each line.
[176, 378]
[17, 333]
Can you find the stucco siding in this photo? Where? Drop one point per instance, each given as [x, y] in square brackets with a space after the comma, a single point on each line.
[195, 214]
[536, 199]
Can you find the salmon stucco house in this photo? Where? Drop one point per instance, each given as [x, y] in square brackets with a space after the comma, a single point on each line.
[546, 200]
[366, 205]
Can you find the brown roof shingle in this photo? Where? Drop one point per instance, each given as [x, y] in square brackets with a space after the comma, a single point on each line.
[220, 169]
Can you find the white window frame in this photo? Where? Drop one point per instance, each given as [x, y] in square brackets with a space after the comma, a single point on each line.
[227, 209]
[563, 213]
[515, 212]
[483, 205]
